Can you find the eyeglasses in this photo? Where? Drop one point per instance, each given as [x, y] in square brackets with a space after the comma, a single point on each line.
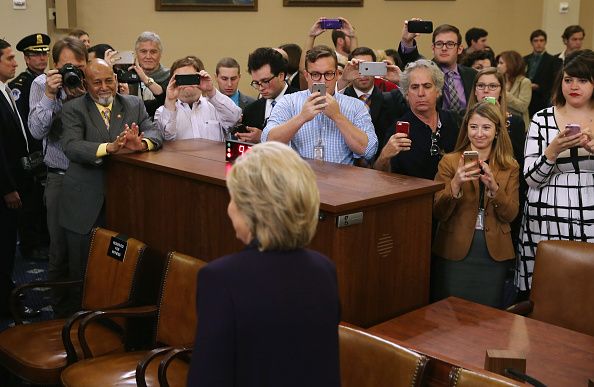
[490, 86]
[435, 150]
[449, 44]
[263, 83]
[327, 75]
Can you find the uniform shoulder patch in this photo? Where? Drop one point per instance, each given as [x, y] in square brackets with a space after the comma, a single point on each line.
[16, 94]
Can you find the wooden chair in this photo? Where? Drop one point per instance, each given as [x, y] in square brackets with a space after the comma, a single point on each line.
[562, 286]
[460, 377]
[369, 361]
[176, 327]
[38, 352]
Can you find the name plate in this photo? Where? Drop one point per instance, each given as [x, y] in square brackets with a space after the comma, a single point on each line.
[117, 248]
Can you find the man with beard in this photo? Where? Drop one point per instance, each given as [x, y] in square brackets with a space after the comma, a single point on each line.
[195, 110]
[96, 125]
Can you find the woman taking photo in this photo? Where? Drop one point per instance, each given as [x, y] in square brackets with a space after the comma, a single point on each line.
[432, 132]
[518, 87]
[473, 247]
[559, 165]
[269, 314]
[491, 83]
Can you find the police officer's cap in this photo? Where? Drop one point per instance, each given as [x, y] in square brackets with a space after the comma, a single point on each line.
[34, 43]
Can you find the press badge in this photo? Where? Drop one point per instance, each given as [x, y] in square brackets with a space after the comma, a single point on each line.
[480, 220]
[319, 152]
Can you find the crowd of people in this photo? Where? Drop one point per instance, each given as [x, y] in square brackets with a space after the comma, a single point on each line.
[510, 137]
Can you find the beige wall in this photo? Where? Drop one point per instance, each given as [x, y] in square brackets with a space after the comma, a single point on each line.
[17, 24]
[587, 21]
[212, 35]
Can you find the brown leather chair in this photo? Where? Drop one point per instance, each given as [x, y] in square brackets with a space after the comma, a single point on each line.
[562, 286]
[367, 360]
[38, 352]
[176, 326]
[460, 377]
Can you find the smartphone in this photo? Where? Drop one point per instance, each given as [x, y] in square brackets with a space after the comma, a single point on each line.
[319, 87]
[373, 68]
[471, 157]
[573, 129]
[187, 79]
[402, 127]
[420, 26]
[239, 128]
[331, 24]
[125, 58]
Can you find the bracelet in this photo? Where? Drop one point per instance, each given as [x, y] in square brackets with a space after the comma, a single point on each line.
[149, 82]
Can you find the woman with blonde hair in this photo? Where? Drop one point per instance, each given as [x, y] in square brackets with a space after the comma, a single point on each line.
[473, 248]
[519, 88]
[269, 314]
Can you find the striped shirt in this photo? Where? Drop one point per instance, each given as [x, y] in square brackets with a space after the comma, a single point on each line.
[40, 120]
[323, 129]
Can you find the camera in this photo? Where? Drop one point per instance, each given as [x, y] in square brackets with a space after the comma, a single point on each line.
[31, 162]
[72, 76]
[126, 76]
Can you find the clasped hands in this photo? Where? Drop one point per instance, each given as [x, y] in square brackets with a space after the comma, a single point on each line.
[130, 140]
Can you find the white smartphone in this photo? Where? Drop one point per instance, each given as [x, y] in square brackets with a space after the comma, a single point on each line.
[319, 87]
[124, 57]
[373, 68]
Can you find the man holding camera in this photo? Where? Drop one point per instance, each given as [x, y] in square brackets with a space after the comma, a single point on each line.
[48, 94]
[14, 179]
[447, 47]
[193, 107]
[96, 125]
[323, 124]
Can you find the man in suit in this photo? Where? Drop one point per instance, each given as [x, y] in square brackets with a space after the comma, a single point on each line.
[228, 75]
[13, 177]
[268, 69]
[573, 38]
[542, 69]
[96, 125]
[447, 46]
[384, 107]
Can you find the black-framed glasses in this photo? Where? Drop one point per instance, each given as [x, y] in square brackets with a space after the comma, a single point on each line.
[490, 86]
[328, 75]
[435, 150]
[449, 44]
[263, 83]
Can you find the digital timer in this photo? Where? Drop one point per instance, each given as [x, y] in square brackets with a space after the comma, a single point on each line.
[234, 149]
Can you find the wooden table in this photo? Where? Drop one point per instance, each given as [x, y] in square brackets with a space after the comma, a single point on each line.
[459, 332]
[176, 199]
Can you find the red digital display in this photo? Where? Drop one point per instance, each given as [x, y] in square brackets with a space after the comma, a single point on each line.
[234, 149]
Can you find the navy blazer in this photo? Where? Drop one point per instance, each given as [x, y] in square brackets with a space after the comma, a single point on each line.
[267, 319]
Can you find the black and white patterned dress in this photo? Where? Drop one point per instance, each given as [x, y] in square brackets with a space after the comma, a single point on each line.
[560, 201]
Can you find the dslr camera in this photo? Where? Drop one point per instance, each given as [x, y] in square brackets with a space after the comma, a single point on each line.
[71, 76]
[126, 76]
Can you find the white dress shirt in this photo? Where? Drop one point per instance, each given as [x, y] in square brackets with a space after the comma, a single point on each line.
[207, 118]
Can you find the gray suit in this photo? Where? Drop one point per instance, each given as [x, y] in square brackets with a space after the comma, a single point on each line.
[82, 196]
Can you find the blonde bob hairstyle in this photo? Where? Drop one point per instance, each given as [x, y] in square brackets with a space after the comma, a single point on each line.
[502, 153]
[276, 191]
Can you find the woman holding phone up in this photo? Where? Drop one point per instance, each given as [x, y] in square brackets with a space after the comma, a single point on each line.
[559, 165]
[473, 247]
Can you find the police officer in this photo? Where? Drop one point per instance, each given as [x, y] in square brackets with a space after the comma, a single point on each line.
[33, 234]
[35, 49]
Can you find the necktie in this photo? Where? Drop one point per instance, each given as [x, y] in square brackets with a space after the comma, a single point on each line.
[106, 114]
[365, 99]
[272, 103]
[451, 93]
[16, 114]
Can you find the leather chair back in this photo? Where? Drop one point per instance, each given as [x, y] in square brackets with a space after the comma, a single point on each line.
[563, 285]
[110, 282]
[369, 361]
[460, 377]
[176, 324]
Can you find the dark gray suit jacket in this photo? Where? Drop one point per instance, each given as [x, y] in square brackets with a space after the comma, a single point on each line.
[245, 100]
[82, 194]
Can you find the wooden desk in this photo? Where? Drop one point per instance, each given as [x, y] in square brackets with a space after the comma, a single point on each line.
[459, 332]
[176, 199]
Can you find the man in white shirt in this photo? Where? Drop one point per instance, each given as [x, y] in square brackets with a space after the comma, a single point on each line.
[195, 110]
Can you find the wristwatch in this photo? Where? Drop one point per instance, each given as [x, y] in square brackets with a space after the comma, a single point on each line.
[149, 82]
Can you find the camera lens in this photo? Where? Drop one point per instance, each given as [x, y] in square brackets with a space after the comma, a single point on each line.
[71, 79]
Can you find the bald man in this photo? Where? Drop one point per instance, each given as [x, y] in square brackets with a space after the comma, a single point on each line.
[95, 126]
